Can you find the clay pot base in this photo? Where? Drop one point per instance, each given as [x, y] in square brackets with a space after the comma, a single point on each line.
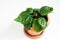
[33, 36]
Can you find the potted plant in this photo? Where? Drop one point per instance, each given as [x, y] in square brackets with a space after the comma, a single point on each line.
[35, 20]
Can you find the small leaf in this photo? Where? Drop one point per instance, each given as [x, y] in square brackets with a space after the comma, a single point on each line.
[29, 10]
[24, 14]
[35, 13]
[19, 19]
[45, 10]
[27, 26]
[42, 22]
[36, 26]
[36, 10]
[28, 20]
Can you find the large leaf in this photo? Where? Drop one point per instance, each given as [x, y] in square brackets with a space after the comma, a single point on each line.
[24, 18]
[42, 22]
[45, 10]
[36, 26]
[27, 26]
[21, 17]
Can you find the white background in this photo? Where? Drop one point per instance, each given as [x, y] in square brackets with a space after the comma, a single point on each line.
[11, 30]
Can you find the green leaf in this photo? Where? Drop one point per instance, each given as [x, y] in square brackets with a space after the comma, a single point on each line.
[36, 10]
[27, 26]
[29, 10]
[36, 26]
[19, 19]
[42, 22]
[24, 14]
[28, 20]
[24, 18]
[45, 10]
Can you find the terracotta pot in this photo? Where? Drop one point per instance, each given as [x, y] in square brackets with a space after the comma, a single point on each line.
[32, 34]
